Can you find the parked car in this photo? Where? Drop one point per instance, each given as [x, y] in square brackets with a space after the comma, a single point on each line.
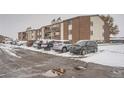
[62, 45]
[47, 45]
[83, 47]
[14, 42]
[37, 44]
[8, 42]
[21, 43]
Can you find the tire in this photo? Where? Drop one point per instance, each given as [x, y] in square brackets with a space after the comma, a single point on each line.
[64, 49]
[95, 50]
[83, 52]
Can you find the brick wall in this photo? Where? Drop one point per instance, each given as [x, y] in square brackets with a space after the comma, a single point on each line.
[65, 30]
[84, 28]
[75, 30]
[80, 28]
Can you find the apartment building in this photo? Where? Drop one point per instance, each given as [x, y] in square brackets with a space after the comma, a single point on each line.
[39, 34]
[90, 27]
[84, 28]
[31, 34]
[22, 36]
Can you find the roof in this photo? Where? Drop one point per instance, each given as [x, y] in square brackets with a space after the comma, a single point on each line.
[80, 16]
[70, 19]
[116, 38]
[63, 21]
[87, 40]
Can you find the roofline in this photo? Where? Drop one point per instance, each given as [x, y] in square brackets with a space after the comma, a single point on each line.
[69, 19]
[66, 20]
[80, 16]
[32, 29]
[51, 24]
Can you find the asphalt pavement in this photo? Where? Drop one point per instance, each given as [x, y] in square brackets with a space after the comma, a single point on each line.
[30, 64]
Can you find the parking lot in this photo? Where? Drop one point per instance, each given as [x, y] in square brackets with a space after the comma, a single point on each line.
[27, 63]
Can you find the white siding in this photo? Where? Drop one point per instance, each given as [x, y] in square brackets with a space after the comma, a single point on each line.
[62, 31]
[97, 28]
[70, 27]
[43, 33]
[69, 34]
[70, 37]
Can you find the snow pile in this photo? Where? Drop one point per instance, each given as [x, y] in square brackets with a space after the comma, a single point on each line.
[50, 74]
[112, 55]
[9, 50]
[52, 52]
[119, 48]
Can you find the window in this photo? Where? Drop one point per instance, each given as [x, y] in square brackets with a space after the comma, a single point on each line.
[103, 34]
[69, 27]
[70, 22]
[91, 43]
[40, 33]
[91, 23]
[57, 33]
[81, 43]
[91, 32]
[70, 32]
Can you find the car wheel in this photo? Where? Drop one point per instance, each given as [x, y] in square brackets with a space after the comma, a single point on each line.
[95, 50]
[83, 52]
[64, 49]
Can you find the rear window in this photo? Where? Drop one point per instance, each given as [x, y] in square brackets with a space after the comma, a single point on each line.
[91, 43]
[67, 42]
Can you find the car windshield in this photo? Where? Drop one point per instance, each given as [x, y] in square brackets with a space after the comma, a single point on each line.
[81, 43]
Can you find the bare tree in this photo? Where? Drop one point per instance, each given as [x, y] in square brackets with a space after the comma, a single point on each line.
[109, 22]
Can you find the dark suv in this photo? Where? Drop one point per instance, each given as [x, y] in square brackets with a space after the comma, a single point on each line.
[84, 47]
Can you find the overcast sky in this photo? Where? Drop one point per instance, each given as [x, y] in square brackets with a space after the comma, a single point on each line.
[10, 25]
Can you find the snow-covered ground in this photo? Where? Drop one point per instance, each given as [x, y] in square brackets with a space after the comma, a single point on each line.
[108, 54]
[8, 49]
[112, 55]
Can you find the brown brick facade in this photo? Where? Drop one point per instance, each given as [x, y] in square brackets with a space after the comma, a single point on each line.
[84, 28]
[75, 30]
[80, 29]
[65, 35]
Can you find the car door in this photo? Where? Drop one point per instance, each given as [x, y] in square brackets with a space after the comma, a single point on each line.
[89, 46]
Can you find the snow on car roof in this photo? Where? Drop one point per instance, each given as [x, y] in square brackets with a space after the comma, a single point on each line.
[62, 40]
[85, 40]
